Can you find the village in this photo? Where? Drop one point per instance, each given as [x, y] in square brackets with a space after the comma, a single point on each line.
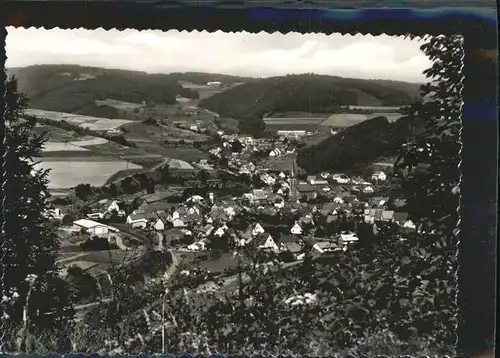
[284, 211]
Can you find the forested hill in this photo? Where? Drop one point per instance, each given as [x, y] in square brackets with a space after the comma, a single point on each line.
[358, 145]
[73, 88]
[202, 78]
[70, 88]
[309, 93]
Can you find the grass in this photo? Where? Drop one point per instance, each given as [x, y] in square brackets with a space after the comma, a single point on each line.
[283, 163]
[188, 154]
[70, 173]
[93, 123]
[122, 174]
[228, 124]
[212, 263]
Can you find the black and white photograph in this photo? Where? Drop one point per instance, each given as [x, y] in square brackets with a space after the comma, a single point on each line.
[175, 192]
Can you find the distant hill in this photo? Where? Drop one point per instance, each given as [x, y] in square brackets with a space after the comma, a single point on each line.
[306, 93]
[69, 88]
[358, 145]
[202, 78]
[74, 89]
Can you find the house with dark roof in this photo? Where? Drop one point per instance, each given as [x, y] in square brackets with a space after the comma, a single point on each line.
[306, 191]
[400, 218]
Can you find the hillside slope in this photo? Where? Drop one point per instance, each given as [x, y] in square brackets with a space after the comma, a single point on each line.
[358, 145]
[307, 93]
[68, 88]
[74, 89]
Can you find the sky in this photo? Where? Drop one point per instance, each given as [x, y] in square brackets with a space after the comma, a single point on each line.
[244, 54]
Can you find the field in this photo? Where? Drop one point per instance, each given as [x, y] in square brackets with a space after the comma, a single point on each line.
[376, 108]
[69, 172]
[93, 123]
[102, 260]
[211, 263]
[282, 163]
[344, 119]
[62, 147]
[161, 133]
[350, 119]
[227, 124]
[120, 105]
[179, 164]
[188, 154]
[309, 123]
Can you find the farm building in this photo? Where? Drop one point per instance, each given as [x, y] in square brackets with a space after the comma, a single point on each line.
[92, 227]
[291, 133]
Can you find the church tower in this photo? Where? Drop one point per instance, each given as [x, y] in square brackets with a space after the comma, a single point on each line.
[293, 183]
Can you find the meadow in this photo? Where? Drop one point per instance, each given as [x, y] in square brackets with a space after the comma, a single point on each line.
[69, 172]
[93, 123]
[350, 119]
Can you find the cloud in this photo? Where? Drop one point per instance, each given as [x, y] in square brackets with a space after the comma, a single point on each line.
[245, 54]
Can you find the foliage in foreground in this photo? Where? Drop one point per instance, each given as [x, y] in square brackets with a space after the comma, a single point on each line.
[394, 297]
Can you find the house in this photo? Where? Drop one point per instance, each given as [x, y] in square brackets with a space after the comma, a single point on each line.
[368, 190]
[257, 229]
[92, 227]
[138, 220]
[325, 175]
[341, 178]
[259, 195]
[306, 191]
[409, 225]
[379, 176]
[55, 213]
[348, 237]
[282, 175]
[296, 229]
[178, 222]
[400, 218]
[387, 215]
[266, 242]
[159, 224]
[230, 212]
[197, 246]
[275, 152]
[220, 231]
[290, 243]
[338, 200]
[315, 181]
[206, 230]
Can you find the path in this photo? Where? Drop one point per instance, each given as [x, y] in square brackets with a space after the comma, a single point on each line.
[120, 244]
[72, 257]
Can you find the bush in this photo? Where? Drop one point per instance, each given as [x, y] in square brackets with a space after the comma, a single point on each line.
[96, 243]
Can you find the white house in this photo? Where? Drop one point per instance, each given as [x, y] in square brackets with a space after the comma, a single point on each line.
[230, 212]
[379, 176]
[92, 227]
[282, 175]
[341, 178]
[159, 225]
[348, 237]
[368, 190]
[257, 229]
[219, 232]
[409, 224]
[296, 229]
[177, 222]
[275, 153]
[55, 213]
[338, 200]
[269, 244]
[193, 210]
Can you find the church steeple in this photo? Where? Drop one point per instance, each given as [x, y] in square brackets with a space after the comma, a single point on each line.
[293, 183]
